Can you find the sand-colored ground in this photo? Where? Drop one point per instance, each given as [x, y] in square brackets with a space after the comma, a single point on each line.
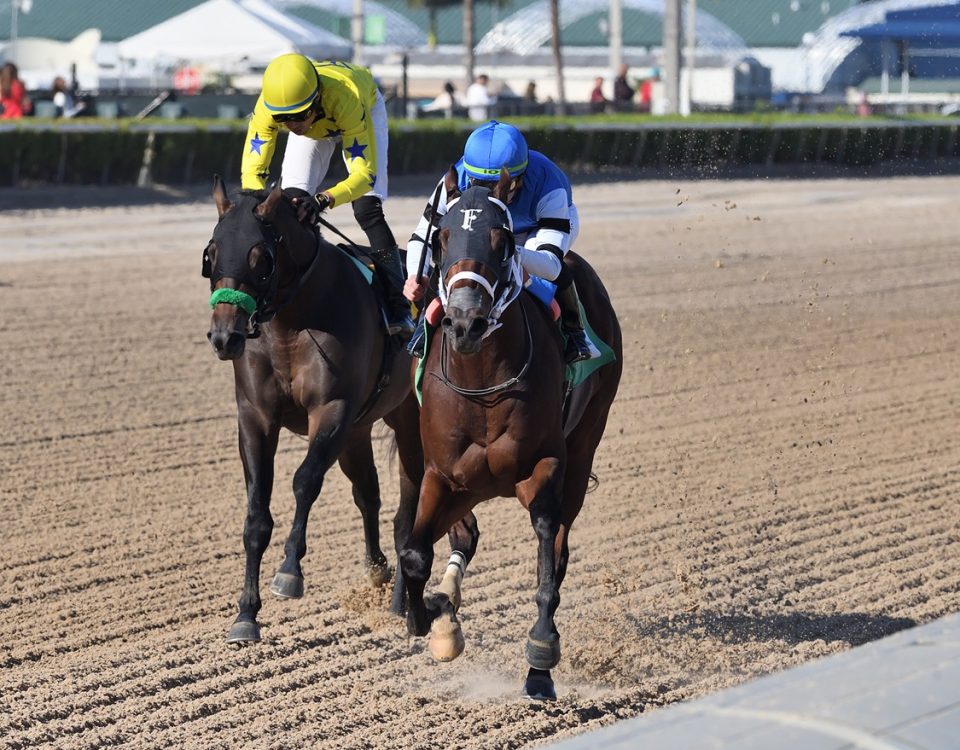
[779, 481]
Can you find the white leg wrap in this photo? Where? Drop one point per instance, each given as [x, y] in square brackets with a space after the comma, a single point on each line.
[450, 585]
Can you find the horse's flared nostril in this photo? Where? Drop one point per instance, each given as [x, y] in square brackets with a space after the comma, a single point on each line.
[227, 345]
[478, 326]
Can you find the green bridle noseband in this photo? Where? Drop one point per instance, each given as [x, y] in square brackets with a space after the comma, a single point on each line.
[234, 297]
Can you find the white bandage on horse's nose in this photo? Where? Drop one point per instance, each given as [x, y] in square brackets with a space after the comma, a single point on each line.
[540, 263]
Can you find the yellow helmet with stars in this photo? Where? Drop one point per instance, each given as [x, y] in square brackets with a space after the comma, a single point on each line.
[290, 84]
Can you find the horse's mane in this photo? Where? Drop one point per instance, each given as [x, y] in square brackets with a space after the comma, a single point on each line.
[260, 194]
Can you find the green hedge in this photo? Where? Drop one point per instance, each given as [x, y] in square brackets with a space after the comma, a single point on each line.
[112, 153]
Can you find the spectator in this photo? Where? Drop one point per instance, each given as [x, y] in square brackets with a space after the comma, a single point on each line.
[598, 102]
[645, 97]
[63, 99]
[530, 95]
[446, 101]
[622, 90]
[479, 100]
[13, 95]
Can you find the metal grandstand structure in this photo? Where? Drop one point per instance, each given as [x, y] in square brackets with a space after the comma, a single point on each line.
[403, 32]
[827, 49]
[527, 30]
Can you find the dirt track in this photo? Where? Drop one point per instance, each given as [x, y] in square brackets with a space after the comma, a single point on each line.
[779, 481]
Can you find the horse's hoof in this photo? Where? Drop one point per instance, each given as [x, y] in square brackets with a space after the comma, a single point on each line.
[287, 586]
[446, 638]
[398, 605]
[417, 626]
[539, 686]
[543, 655]
[380, 575]
[243, 631]
[398, 599]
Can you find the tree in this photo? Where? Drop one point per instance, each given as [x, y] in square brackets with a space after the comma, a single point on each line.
[557, 55]
[469, 31]
[469, 26]
[432, 6]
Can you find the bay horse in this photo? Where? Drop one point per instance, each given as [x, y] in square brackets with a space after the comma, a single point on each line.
[310, 353]
[497, 419]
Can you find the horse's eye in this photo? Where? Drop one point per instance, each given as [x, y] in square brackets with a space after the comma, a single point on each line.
[265, 266]
[259, 260]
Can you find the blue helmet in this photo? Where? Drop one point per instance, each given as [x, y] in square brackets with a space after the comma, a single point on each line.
[493, 146]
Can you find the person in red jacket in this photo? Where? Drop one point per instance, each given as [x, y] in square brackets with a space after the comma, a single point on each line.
[598, 102]
[13, 94]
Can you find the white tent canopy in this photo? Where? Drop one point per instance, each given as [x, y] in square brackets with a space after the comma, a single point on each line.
[232, 31]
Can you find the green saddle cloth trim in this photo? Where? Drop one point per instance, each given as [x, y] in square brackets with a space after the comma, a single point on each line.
[421, 363]
[575, 373]
[364, 269]
[580, 371]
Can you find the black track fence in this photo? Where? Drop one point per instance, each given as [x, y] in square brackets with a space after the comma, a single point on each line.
[95, 153]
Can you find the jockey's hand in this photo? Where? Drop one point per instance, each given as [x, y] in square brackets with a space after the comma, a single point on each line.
[413, 288]
[308, 211]
[304, 204]
[324, 201]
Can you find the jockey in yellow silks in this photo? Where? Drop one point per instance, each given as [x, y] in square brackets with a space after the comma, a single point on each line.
[325, 105]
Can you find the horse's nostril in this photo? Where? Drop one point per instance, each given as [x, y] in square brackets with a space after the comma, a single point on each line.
[478, 326]
[446, 323]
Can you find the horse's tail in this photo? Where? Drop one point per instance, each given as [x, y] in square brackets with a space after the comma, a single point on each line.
[384, 434]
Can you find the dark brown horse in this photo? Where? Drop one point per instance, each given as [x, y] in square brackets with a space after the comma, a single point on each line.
[496, 419]
[310, 353]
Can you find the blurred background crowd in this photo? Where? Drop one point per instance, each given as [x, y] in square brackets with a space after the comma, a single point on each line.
[483, 58]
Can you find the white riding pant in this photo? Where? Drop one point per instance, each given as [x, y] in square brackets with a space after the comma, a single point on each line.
[306, 160]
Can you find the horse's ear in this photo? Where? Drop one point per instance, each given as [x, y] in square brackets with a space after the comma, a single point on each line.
[266, 209]
[439, 240]
[502, 188]
[450, 182]
[220, 195]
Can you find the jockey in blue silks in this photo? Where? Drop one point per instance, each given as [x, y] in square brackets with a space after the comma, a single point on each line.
[545, 223]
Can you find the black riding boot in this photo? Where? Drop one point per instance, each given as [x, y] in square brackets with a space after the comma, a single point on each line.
[388, 266]
[578, 345]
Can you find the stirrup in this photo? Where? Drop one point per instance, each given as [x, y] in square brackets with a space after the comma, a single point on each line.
[418, 339]
[579, 347]
[404, 325]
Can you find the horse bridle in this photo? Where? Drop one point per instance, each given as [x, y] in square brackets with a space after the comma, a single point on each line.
[509, 292]
[266, 290]
[475, 392]
[498, 305]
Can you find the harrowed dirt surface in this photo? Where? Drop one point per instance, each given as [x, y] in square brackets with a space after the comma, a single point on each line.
[779, 480]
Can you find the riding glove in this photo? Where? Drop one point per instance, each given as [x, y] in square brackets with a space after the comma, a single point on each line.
[308, 207]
